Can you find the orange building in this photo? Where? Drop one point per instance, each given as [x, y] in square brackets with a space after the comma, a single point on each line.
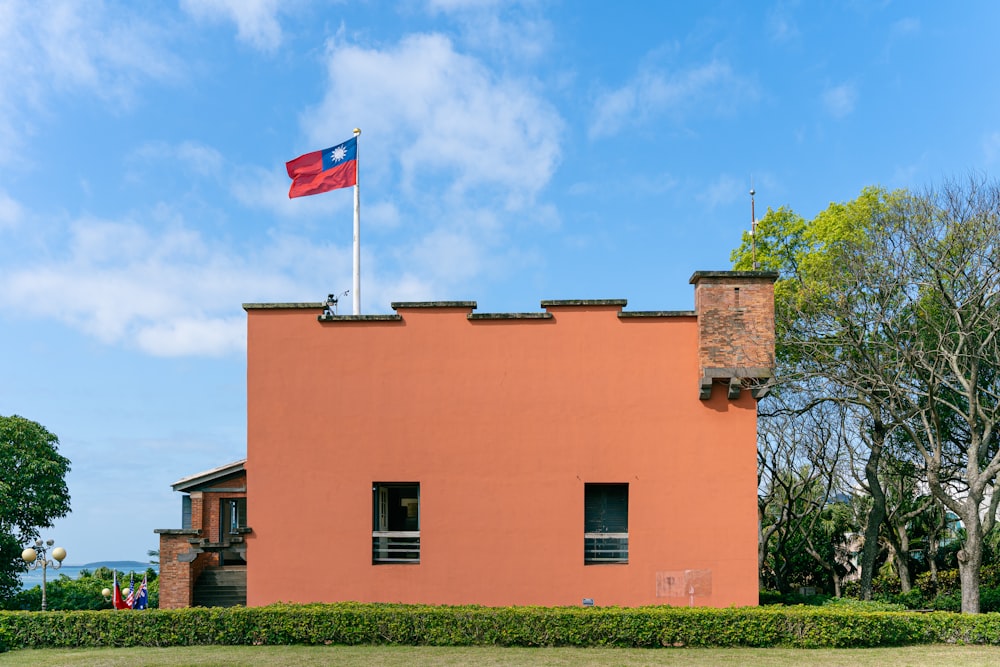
[583, 454]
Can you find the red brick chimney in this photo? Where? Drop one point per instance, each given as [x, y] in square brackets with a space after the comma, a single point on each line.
[735, 330]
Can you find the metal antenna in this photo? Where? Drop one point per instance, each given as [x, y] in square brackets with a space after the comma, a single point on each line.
[330, 307]
[753, 225]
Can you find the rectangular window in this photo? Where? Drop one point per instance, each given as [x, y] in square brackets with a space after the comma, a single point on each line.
[605, 523]
[186, 511]
[232, 517]
[396, 522]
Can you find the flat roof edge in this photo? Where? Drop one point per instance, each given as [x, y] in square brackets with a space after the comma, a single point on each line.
[301, 305]
[698, 276]
[556, 303]
[396, 305]
[625, 314]
[360, 318]
[509, 316]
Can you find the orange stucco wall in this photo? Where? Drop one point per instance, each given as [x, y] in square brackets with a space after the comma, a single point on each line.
[501, 422]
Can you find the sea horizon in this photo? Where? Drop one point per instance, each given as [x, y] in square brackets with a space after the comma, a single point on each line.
[33, 578]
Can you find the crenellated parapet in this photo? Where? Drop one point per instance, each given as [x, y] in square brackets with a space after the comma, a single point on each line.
[734, 312]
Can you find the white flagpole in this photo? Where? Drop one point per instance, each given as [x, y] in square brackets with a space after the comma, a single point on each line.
[357, 229]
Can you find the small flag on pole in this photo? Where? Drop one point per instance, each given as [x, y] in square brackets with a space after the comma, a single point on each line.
[325, 170]
[116, 599]
[130, 598]
[141, 600]
[330, 169]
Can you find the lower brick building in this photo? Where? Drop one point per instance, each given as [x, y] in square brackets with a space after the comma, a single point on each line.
[203, 563]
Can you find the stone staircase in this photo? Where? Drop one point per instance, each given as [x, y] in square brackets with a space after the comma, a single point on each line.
[224, 586]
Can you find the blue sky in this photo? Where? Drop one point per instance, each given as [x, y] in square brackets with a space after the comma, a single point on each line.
[511, 152]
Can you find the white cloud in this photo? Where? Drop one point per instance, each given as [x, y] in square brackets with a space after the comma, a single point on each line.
[182, 336]
[63, 45]
[435, 110]
[906, 26]
[382, 215]
[256, 20]
[509, 30]
[255, 187]
[463, 149]
[725, 190]
[840, 101]
[655, 184]
[102, 50]
[267, 189]
[462, 5]
[907, 175]
[781, 27]
[640, 183]
[904, 29]
[712, 87]
[166, 290]
[408, 287]
[11, 211]
[465, 259]
[201, 159]
[613, 109]
[525, 39]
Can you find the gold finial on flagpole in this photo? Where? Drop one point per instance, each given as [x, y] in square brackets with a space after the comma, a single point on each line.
[357, 130]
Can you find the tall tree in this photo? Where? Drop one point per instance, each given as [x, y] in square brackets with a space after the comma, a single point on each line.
[807, 256]
[906, 503]
[901, 313]
[33, 491]
[797, 467]
[948, 244]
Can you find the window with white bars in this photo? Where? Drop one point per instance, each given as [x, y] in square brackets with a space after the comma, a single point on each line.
[395, 522]
[605, 523]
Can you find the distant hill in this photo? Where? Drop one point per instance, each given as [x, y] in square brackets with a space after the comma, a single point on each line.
[120, 565]
[33, 578]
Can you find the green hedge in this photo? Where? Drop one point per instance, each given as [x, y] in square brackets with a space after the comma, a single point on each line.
[354, 623]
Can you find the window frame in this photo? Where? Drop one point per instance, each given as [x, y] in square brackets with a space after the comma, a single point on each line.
[393, 543]
[605, 523]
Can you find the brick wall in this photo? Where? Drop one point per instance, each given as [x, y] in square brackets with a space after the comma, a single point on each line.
[176, 583]
[180, 563]
[197, 510]
[735, 324]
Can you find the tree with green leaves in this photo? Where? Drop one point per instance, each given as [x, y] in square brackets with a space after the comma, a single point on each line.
[33, 492]
[807, 256]
[898, 309]
[85, 592]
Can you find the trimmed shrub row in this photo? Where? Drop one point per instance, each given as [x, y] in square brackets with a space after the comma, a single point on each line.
[356, 623]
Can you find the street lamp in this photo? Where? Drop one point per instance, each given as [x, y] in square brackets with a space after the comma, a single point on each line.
[109, 596]
[35, 557]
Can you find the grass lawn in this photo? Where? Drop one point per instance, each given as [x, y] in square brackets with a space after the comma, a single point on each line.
[410, 656]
